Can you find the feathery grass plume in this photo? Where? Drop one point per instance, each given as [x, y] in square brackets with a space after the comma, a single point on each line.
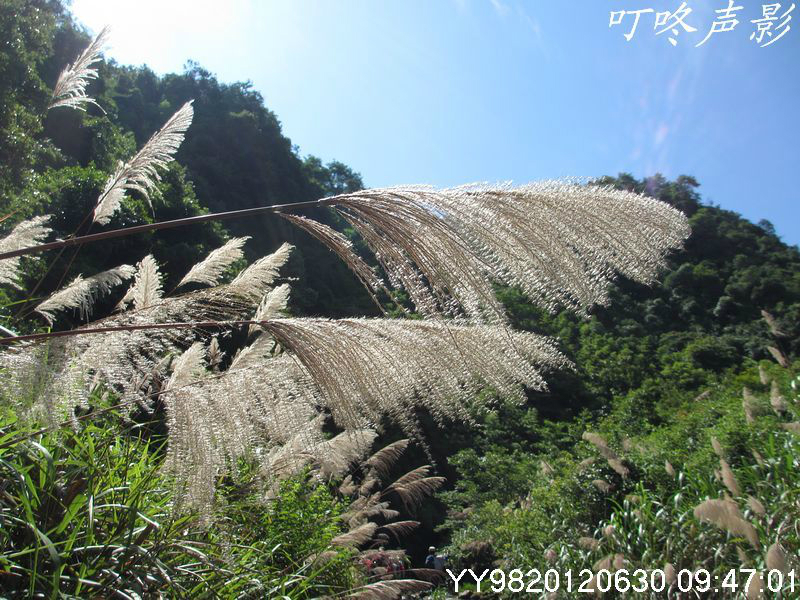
[618, 467]
[341, 246]
[586, 463]
[599, 442]
[762, 375]
[776, 399]
[355, 537]
[669, 468]
[756, 506]
[184, 412]
[744, 560]
[384, 459]
[718, 449]
[602, 486]
[211, 269]
[370, 368]
[390, 590]
[81, 293]
[670, 574]
[772, 323]
[604, 564]
[141, 173]
[589, 543]
[777, 559]
[146, 290]
[120, 359]
[755, 587]
[545, 468]
[779, 356]
[414, 493]
[271, 306]
[728, 478]
[70, 89]
[401, 528]
[214, 354]
[415, 486]
[26, 233]
[560, 242]
[792, 427]
[337, 455]
[725, 515]
[254, 281]
[749, 405]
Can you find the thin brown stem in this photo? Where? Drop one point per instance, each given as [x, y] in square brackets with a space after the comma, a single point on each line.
[33, 337]
[115, 233]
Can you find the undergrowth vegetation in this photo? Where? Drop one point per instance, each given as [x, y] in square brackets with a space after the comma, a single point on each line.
[718, 488]
[88, 512]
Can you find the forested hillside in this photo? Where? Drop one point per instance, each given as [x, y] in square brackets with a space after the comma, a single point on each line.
[235, 156]
[705, 353]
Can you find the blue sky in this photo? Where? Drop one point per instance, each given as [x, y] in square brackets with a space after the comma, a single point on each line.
[455, 91]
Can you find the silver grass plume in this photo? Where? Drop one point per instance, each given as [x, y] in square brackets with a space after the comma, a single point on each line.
[560, 242]
[756, 506]
[390, 590]
[779, 356]
[602, 486]
[369, 368]
[146, 290]
[183, 414]
[755, 587]
[401, 528]
[81, 293]
[415, 486]
[26, 233]
[140, 173]
[385, 458]
[337, 455]
[728, 478]
[772, 323]
[214, 354]
[776, 399]
[777, 559]
[725, 514]
[273, 304]
[589, 543]
[70, 89]
[792, 427]
[340, 245]
[749, 405]
[718, 449]
[57, 374]
[356, 537]
[762, 375]
[211, 269]
[254, 281]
